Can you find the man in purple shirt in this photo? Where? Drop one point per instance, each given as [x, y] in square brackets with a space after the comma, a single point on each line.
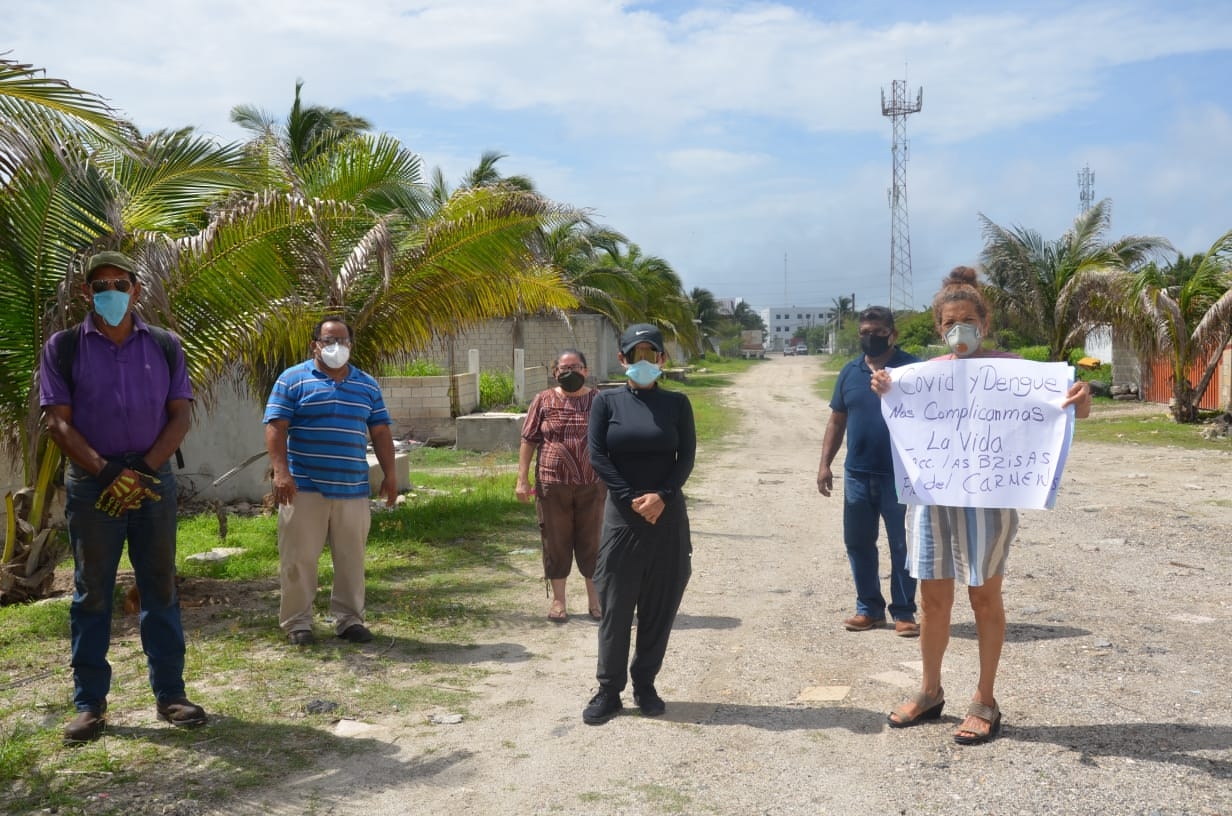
[118, 413]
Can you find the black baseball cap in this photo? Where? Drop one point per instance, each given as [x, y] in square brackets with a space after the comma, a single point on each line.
[641, 333]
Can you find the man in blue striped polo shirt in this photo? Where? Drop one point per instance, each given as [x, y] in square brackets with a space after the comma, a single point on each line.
[317, 423]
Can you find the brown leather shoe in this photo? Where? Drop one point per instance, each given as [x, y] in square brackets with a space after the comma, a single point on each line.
[906, 628]
[180, 712]
[87, 726]
[862, 623]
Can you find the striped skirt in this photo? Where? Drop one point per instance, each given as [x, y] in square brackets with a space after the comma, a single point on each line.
[971, 543]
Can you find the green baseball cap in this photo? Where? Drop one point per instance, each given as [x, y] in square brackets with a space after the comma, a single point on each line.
[110, 258]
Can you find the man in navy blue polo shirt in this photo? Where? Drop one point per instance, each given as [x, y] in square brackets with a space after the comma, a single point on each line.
[119, 418]
[317, 423]
[869, 495]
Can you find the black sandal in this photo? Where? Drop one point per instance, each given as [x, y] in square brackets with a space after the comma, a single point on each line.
[929, 708]
[990, 713]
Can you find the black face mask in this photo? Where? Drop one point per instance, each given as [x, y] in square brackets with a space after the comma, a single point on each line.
[874, 345]
[571, 381]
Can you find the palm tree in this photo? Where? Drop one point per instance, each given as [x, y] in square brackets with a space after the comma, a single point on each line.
[36, 111]
[361, 241]
[73, 181]
[1045, 287]
[747, 317]
[659, 297]
[843, 306]
[706, 316]
[581, 251]
[352, 228]
[308, 131]
[485, 174]
[1184, 312]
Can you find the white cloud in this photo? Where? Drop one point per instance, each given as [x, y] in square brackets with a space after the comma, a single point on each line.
[721, 137]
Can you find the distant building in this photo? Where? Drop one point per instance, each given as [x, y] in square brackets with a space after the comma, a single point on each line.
[785, 322]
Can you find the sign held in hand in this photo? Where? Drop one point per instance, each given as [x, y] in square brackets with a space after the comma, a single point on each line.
[979, 432]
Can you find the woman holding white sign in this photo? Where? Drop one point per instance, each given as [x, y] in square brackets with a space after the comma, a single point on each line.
[944, 542]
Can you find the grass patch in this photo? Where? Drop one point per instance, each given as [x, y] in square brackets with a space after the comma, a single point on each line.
[425, 457]
[460, 552]
[831, 365]
[1138, 428]
[715, 418]
[457, 555]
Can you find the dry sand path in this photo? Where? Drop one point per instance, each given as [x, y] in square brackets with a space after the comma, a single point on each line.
[1115, 679]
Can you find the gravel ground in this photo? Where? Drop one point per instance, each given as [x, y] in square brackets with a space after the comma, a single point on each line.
[1114, 681]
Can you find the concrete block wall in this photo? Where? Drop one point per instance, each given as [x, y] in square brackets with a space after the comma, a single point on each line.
[418, 406]
[537, 379]
[1126, 369]
[467, 386]
[542, 338]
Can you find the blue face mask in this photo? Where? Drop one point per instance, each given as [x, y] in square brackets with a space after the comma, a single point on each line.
[111, 306]
[643, 372]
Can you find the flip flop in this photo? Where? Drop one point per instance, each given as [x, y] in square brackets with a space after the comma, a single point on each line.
[596, 614]
[557, 613]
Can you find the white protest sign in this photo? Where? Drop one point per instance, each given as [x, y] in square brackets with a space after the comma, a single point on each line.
[979, 432]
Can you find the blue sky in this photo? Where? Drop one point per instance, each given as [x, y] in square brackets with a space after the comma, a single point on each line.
[742, 142]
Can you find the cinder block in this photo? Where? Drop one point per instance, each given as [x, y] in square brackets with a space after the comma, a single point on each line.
[402, 467]
[490, 431]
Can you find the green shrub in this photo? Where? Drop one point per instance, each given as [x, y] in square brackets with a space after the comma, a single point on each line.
[495, 389]
[1038, 354]
[414, 368]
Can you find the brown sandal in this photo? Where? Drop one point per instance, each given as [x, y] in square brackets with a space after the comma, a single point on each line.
[557, 613]
[991, 714]
[928, 708]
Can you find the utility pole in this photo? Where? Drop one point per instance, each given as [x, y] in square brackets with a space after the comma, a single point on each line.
[900, 106]
[1086, 188]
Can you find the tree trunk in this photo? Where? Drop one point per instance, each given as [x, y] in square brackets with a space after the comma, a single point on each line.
[1184, 401]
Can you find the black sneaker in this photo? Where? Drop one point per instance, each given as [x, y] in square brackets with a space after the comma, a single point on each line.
[356, 633]
[602, 707]
[649, 701]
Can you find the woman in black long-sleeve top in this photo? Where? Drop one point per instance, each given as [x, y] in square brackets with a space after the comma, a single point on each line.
[642, 444]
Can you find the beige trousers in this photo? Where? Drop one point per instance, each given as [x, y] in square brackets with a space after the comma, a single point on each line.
[303, 530]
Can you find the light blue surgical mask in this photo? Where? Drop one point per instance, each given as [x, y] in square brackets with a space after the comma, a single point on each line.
[643, 372]
[111, 306]
[963, 339]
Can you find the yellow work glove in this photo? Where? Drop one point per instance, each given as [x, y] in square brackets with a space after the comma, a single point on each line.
[126, 492]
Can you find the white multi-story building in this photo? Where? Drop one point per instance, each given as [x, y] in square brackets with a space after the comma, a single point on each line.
[785, 322]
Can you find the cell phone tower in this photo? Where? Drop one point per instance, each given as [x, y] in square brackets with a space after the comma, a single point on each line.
[1086, 188]
[900, 106]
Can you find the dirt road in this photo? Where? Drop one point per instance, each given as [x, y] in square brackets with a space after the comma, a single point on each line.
[1115, 679]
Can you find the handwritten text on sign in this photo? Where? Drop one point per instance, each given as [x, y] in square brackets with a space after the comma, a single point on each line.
[980, 432]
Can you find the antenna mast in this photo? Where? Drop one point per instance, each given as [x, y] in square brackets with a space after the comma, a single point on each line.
[1086, 188]
[900, 106]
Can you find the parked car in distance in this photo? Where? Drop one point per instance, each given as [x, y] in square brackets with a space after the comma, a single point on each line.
[788, 351]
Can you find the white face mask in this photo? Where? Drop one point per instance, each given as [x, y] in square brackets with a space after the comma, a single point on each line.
[335, 355]
[963, 339]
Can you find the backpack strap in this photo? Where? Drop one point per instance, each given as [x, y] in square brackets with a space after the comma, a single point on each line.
[65, 343]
